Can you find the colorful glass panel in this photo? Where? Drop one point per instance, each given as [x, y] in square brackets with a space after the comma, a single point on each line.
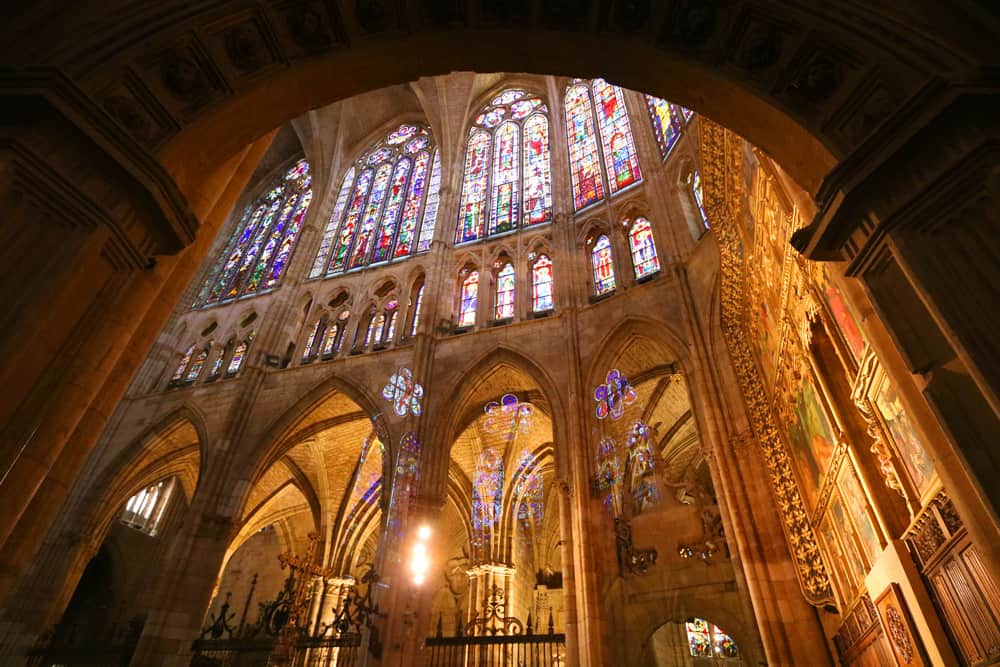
[364, 235]
[603, 265]
[379, 330]
[469, 300]
[220, 358]
[330, 339]
[236, 361]
[411, 211]
[264, 239]
[387, 230]
[418, 144]
[505, 293]
[537, 171]
[382, 217]
[472, 208]
[185, 359]
[199, 362]
[620, 158]
[307, 349]
[724, 645]
[319, 265]
[285, 249]
[668, 120]
[487, 500]
[431, 207]
[584, 166]
[541, 285]
[504, 194]
[401, 134]
[338, 260]
[507, 96]
[640, 241]
[699, 639]
[522, 108]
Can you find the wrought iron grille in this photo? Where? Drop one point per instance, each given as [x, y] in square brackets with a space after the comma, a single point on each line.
[493, 639]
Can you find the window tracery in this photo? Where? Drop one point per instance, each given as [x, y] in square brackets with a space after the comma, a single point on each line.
[507, 180]
[377, 215]
[598, 129]
[255, 258]
[145, 509]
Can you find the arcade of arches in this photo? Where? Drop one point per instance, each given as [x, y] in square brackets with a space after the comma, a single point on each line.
[298, 287]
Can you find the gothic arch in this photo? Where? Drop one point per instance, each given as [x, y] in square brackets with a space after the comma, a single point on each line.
[278, 435]
[617, 340]
[149, 459]
[472, 376]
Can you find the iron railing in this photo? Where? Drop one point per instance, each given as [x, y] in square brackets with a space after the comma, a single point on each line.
[546, 650]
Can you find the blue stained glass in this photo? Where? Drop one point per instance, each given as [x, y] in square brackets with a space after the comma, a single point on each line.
[640, 240]
[603, 265]
[431, 207]
[364, 234]
[668, 122]
[331, 227]
[472, 208]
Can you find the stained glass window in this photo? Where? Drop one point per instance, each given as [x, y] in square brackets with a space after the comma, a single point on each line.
[669, 120]
[698, 197]
[473, 203]
[145, 509]
[418, 301]
[620, 157]
[603, 265]
[431, 207]
[581, 135]
[330, 339]
[506, 171]
[505, 293]
[706, 640]
[315, 335]
[469, 300]
[507, 181]
[385, 204]
[597, 126]
[699, 638]
[255, 258]
[197, 364]
[640, 241]
[236, 361]
[541, 285]
[391, 311]
[185, 359]
[379, 330]
[220, 358]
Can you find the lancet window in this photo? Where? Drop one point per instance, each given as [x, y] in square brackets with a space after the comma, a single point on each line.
[144, 510]
[507, 180]
[669, 121]
[387, 204]
[256, 256]
[541, 285]
[643, 249]
[598, 131]
[468, 299]
[505, 293]
[602, 263]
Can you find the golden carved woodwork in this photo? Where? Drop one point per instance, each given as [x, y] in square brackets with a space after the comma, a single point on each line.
[723, 189]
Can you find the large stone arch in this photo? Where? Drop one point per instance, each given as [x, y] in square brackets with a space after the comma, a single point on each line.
[278, 435]
[450, 425]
